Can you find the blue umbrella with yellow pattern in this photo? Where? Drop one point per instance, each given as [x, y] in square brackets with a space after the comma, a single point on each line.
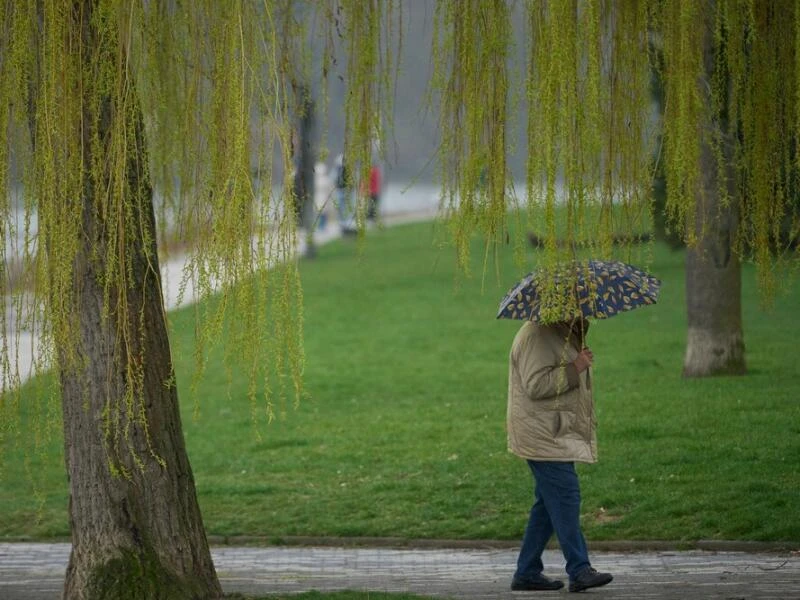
[598, 289]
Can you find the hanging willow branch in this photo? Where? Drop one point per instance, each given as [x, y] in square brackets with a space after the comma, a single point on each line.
[471, 47]
[749, 70]
[203, 95]
[590, 155]
[586, 90]
[366, 29]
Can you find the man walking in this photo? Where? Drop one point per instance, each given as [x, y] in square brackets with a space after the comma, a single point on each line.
[551, 424]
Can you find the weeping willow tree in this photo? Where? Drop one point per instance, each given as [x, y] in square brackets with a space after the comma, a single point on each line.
[127, 128]
[729, 152]
[731, 168]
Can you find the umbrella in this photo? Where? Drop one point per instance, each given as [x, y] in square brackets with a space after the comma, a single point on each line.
[601, 289]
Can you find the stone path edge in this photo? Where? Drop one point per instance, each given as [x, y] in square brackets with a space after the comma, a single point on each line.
[488, 544]
[473, 544]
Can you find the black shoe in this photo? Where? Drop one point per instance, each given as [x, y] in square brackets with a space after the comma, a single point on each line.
[533, 584]
[589, 578]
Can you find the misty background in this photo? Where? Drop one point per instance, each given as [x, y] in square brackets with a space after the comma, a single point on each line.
[412, 135]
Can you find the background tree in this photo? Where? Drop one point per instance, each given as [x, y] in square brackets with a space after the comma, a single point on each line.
[743, 154]
[715, 341]
[304, 162]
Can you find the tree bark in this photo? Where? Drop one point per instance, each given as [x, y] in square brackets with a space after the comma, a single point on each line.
[304, 168]
[136, 526]
[715, 342]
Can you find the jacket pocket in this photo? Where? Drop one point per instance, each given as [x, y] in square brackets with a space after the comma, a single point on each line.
[564, 423]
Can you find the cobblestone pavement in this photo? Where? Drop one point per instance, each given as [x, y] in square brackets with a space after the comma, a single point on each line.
[35, 572]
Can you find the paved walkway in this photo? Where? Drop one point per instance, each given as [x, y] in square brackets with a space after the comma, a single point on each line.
[36, 572]
[399, 205]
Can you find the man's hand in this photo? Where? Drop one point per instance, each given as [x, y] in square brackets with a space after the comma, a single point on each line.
[584, 360]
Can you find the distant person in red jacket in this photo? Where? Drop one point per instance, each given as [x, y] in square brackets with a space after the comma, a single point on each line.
[374, 192]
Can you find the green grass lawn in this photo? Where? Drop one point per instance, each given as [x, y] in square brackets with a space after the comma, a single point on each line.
[403, 430]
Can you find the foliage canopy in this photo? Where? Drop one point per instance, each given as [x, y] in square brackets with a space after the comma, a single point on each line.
[217, 86]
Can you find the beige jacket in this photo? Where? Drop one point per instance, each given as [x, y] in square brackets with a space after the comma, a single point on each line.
[550, 407]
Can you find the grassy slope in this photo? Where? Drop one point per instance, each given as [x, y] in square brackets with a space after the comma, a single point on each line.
[403, 433]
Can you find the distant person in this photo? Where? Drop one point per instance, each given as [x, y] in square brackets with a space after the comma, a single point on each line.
[374, 192]
[551, 424]
[323, 188]
[345, 207]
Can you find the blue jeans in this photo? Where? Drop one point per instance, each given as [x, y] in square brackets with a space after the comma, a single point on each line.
[556, 508]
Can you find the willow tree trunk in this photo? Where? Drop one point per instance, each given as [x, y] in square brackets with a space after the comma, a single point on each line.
[305, 191]
[139, 535]
[136, 525]
[715, 343]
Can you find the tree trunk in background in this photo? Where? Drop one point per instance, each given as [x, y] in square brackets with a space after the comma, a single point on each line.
[304, 168]
[139, 535]
[715, 343]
